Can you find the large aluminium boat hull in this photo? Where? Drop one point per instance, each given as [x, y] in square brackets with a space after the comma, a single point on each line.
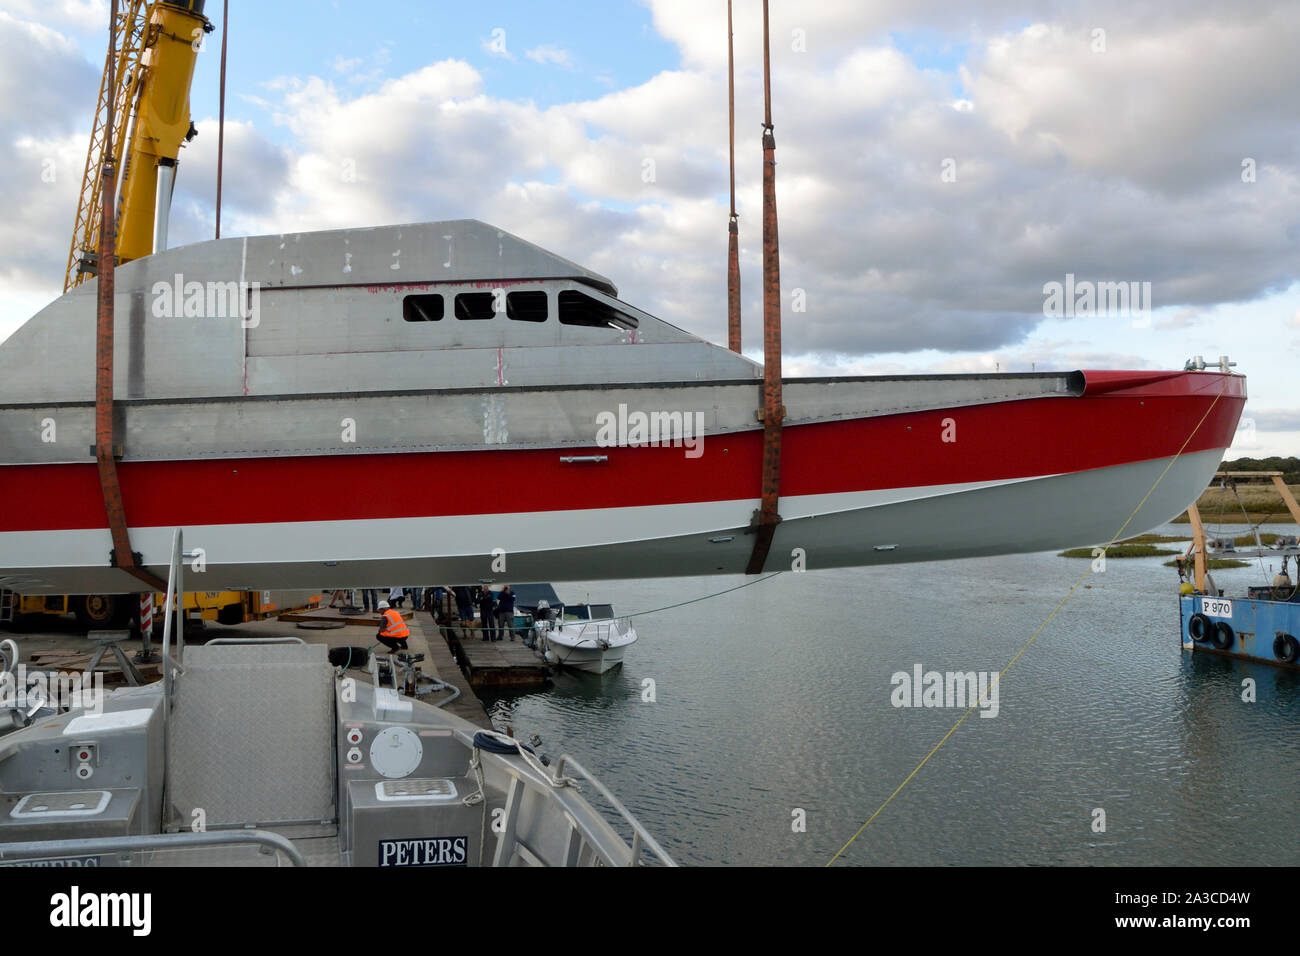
[1021, 476]
[444, 402]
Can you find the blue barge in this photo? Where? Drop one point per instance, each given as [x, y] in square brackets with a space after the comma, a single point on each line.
[1256, 627]
[1262, 625]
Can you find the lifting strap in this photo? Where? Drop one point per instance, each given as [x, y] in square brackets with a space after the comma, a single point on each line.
[733, 228]
[105, 447]
[773, 412]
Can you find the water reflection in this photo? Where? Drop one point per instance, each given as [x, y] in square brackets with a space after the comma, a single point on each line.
[776, 699]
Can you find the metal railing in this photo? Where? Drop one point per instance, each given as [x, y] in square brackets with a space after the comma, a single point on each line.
[174, 610]
[44, 849]
[286, 639]
[641, 838]
[640, 835]
[596, 632]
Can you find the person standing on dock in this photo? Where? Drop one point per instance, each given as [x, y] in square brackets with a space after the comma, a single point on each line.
[487, 620]
[370, 599]
[393, 630]
[506, 612]
[464, 603]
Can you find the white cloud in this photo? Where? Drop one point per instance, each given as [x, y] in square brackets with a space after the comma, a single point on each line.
[47, 91]
[1139, 110]
[71, 14]
[549, 53]
[1052, 176]
[1182, 319]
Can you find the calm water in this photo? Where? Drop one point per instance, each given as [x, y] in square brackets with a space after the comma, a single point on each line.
[778, 697]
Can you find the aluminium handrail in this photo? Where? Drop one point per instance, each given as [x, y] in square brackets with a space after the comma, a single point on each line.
[640, 835]
[286, 639]
[175, 583]
[171, 600]
[39, 849]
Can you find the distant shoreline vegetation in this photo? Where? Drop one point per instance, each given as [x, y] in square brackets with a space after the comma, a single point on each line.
[1261, 501]
[1121, 550]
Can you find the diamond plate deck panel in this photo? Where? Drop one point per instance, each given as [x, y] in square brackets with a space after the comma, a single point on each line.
[252, 736]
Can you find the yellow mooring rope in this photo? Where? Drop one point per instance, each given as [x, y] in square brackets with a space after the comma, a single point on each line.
[1040, 630]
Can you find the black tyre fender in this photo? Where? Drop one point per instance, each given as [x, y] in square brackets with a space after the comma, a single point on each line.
[1200, 628]
[1286, 648]
[1223, 637]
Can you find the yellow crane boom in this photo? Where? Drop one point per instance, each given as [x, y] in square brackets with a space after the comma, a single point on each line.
[151, 68]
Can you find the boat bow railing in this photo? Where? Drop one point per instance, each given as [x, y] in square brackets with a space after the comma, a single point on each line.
[557, 779]
[599, 633]
[174, 615]
[641, 838]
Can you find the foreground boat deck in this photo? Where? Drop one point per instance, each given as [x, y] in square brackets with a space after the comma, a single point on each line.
[63, 646]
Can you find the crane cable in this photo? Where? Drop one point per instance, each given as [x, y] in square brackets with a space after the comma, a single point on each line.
[221, 110]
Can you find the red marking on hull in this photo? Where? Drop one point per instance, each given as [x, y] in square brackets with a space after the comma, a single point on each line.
[389, 287]
[1122, 418]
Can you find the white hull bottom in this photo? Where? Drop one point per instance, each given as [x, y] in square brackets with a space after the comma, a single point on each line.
[890, 526]
[591, 661]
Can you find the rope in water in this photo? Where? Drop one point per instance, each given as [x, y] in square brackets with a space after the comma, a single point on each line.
[1069, 594]
[669, 607]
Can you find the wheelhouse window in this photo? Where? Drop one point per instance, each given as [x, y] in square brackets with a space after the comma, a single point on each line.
[475, 306]
[422, 308]
[527, 306]
[578, 308]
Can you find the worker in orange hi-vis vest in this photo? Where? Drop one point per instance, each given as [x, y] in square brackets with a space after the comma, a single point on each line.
[393, 630]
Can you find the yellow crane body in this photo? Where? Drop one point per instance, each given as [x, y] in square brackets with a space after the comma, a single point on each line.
[161, 122]
[151, 68]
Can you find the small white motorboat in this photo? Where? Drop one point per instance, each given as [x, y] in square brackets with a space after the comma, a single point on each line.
[587, 637]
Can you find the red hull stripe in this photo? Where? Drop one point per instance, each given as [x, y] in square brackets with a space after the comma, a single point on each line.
[1127, 421]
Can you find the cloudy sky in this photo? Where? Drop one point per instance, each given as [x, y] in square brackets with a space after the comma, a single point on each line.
[939, 163]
